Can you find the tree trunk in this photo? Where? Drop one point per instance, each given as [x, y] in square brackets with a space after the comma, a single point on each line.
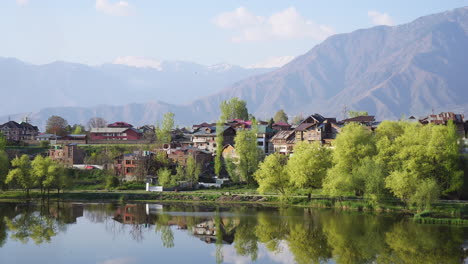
[309, 197]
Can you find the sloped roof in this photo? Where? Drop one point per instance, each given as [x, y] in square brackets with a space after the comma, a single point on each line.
[285, 134]
[304, 126]
[113, 130]
[281, 124]
[360, 119]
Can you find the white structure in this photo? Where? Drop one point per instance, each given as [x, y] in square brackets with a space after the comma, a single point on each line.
[153, 188]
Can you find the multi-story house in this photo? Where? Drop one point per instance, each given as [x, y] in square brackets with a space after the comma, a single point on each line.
[205, 137]
[317, 128]
[283, 142]
[19, 132]
[67, 155]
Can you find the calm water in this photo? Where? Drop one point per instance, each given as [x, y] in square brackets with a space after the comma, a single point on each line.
[175, 233]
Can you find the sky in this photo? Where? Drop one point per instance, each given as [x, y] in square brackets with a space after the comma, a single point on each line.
[205, 31]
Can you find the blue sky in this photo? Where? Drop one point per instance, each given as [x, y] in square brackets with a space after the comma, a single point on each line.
[204, 31]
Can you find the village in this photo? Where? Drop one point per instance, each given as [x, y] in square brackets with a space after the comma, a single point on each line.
[198, 142]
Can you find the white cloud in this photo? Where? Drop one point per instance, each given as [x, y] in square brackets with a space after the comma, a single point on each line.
[378, 18]
[22, 2]
[286, 24]
[272, 62]
[119, 8]
[139, 62]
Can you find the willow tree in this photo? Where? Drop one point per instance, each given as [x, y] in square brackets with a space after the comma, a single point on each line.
[234, 109]
[21, 173]
[308, 166]
[272, 176]
[248, 152]
[163, 131]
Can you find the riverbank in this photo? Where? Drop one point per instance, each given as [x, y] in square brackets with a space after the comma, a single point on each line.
[443, 212]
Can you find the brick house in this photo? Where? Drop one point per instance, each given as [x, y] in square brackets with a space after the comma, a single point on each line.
[180, 156]
[131, 165]
[19, 132]
[67, 155]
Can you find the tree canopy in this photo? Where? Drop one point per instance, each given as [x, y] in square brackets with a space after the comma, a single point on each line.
[56, 125]
[234, 109]
[280, 116]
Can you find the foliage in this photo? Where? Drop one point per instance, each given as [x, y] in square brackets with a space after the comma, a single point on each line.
[280, 116]
[297, 119]
[231, 169]
[45, 144]
[21, 173]
[352, 145]
[165, 178]
[219, 147]
[192, 170]
[163, 133]
[4, 167]
[56, 125]
[272, 176]
[234, 109]
[352, 114]
[309, 164]
[248, 152]
[78, 130]
[96, 122]
[3, 141]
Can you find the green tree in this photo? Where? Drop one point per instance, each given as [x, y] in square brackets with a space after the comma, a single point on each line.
[234, 109]
[297, 119]
[21, 173]
[280, 116]
[4, 167]
[163, 133]
[78, 130]
[3, 141]
[369, 179]
[308, 166]
[272, 176]
[352, 145]
[231, 169]
[165, 178]
[352, 114]
[57, 125]
[192, 170]
[248, 152]
[46, 173]
[219, 147]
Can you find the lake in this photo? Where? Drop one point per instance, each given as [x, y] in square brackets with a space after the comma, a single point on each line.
[105, 233]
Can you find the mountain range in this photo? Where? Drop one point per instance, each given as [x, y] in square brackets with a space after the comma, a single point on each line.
[409, 69]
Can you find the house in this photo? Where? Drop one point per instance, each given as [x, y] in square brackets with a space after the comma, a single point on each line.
[239, 124]
[283, 142]
[280, 126]
[205, 137]
[229, 151]
[366, 120]
[118, 131]
[133, 166]
[317, 128]
[75, 138]
[67, 155]
[264, 134]
[47, 137]
[19, 132]
[443, 118]
[180, 156]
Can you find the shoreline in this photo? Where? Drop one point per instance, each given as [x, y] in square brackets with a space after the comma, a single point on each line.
[443, 212]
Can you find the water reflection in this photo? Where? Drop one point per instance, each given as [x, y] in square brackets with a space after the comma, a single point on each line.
[248, 233]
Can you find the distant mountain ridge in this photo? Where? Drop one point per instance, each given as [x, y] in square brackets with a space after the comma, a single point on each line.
[73, 84]
[410, 69]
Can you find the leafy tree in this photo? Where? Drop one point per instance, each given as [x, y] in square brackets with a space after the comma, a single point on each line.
[96, 122]
[56, 125]
[3, 141]
[271, 122]
[352, 145]
[231, 169]
[234, 109]
[163, 133]
[352, 114]
[272, 176]
[297, 119]
[21, 174]
[165, 178]
[281, 116]
[219, 147]
[4, 167]
[369, 179]
[308, 166]
[46, 173]
[192, 170]
[78, 130]
[249, 154]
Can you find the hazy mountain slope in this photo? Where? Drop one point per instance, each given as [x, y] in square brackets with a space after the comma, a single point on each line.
[72, 84]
